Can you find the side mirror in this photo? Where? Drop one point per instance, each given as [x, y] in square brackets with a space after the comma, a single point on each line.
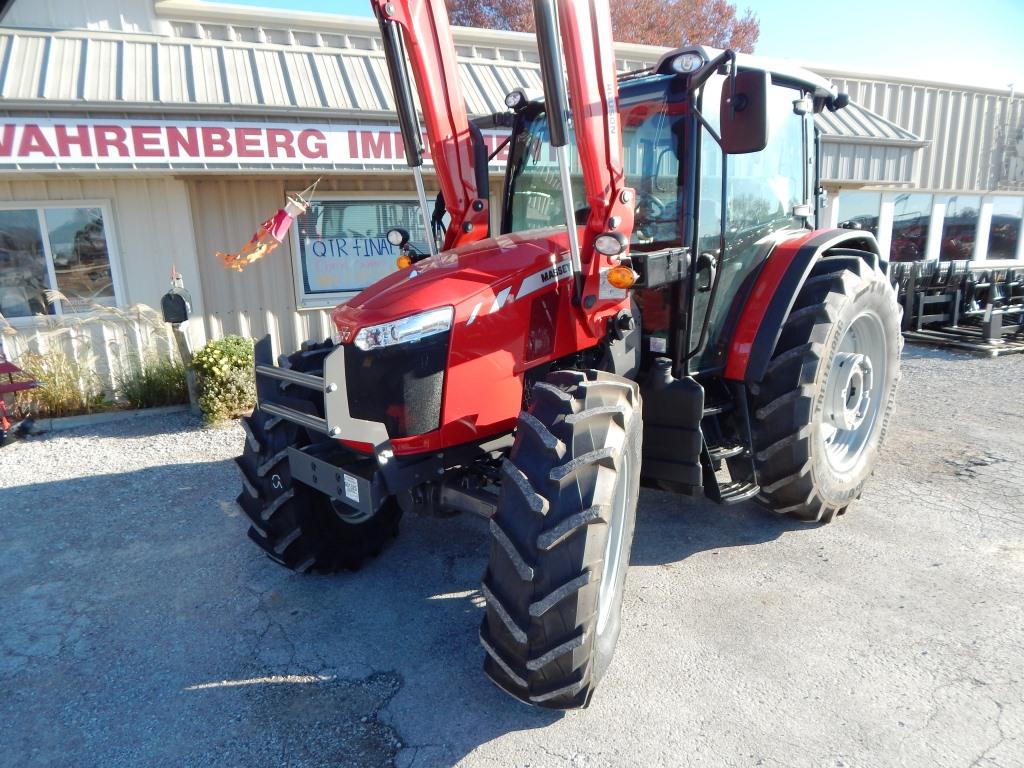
[744, 117]
[840, 101]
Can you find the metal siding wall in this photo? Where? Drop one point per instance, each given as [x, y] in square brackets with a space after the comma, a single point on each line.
[965, 125]
[861, 163]
[261, 300]
[126, 15]
[151, 230]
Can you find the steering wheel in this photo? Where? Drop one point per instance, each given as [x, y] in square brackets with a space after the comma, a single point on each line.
[652, 204]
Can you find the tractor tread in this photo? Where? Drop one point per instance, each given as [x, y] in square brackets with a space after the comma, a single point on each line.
[293, 524]
[543, 388]
[557, 595]
[523, 568]
[618, 412]
[536, 503]
[549, 532]
[555, 535]
[492, 600]
[801, 434]
[783, 403]
[580, 463]
[570, 645]
[541, 433]
[505, 666]
[271, 462]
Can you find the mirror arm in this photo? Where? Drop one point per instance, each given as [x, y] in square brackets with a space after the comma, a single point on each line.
[701, 76]
[707, 126]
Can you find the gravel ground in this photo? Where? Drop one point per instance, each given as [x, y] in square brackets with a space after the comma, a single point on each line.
[139, 626]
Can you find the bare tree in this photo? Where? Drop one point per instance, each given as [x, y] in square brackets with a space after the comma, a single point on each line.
[669, 23]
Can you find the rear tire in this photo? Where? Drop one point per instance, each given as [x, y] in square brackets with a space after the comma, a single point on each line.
[817, 428]
[561, 539]
[294, 524]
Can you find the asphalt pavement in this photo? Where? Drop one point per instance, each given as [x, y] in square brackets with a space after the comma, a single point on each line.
[139, 626]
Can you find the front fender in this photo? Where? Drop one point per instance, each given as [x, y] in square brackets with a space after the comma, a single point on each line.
[775, 290]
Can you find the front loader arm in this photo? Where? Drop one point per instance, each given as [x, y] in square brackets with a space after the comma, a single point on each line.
[586, 31]
[431, 54]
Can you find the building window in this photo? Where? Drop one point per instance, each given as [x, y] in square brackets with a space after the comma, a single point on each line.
[911, 215]
[56, 248]
[859, 210]
[1004, 234]
[341, 246]
[959, 227]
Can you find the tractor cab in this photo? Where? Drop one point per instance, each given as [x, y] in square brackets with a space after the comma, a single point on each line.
[721, 149]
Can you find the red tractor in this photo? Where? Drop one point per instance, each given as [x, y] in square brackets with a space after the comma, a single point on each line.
[503, 373]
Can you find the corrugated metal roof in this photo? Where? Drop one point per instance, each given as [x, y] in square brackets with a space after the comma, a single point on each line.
[857, 123]
[127, 72]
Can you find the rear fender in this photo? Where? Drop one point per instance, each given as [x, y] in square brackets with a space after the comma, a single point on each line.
[775, 290]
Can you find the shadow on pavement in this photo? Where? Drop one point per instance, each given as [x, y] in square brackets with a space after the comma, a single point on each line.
[670, 528]
[141, 627]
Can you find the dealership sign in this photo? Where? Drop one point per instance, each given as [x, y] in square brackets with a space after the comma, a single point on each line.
[50, 142]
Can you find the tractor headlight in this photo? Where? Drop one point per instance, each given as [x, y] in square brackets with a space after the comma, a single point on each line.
[610, 243]
[412, 328]
[398, 236]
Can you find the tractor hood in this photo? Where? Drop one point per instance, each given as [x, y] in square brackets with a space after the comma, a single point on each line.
[461, 278]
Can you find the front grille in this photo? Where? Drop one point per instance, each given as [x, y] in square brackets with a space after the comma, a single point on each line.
[400, 386]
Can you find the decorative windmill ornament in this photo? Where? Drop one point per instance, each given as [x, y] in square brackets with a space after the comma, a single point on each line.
[271, 233]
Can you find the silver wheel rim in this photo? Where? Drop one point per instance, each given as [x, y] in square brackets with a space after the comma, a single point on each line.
[613, 549]
[854, 392]
[349, 514]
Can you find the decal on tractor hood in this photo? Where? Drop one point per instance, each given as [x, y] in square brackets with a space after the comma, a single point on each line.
[538, 280]
[531, 284]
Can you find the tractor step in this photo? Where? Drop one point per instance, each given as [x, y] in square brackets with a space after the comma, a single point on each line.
[713, 409]
[729, 473]
[734, 493]
[721, 452]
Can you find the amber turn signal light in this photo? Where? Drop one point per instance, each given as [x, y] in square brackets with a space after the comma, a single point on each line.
[403, 261]
[621, 277]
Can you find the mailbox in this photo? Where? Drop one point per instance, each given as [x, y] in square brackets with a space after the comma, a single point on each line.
[176, 305]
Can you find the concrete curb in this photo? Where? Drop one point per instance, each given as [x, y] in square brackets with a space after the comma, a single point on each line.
[92, 419]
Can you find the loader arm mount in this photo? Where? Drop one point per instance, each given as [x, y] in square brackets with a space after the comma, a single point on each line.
[459, 159]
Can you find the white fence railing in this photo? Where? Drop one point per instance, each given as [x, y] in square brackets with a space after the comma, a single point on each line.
[106, 342]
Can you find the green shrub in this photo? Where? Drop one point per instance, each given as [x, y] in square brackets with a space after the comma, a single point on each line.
[68, 386]
[153, 382]
[224, 372]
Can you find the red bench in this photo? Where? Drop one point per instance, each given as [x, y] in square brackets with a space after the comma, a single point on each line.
[8, 386]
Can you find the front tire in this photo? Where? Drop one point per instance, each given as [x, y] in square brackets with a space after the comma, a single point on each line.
[561, 539]
[820, 416]
[296, 525]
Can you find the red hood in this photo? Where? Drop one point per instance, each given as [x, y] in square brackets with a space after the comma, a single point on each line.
[452, 278]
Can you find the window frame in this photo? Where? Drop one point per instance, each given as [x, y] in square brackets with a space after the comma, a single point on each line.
[937, 211]
[305, 302]
[113, 254]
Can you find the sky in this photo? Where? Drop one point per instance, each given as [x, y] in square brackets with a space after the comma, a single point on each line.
[977, 42]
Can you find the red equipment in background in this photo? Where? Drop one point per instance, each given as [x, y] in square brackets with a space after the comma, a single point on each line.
[8, 386]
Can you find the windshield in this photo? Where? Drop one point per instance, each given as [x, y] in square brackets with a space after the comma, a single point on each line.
[650, 116]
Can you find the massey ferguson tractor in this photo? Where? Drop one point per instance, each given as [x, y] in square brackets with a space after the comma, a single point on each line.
[657, 247]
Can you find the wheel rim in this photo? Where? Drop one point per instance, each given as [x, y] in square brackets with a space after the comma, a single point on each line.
[854, 392]
[349, 514]
[613, 549]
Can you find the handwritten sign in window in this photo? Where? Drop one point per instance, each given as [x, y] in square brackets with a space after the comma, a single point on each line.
[342, 244]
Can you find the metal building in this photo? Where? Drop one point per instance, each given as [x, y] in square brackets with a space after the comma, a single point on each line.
[138, 136]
